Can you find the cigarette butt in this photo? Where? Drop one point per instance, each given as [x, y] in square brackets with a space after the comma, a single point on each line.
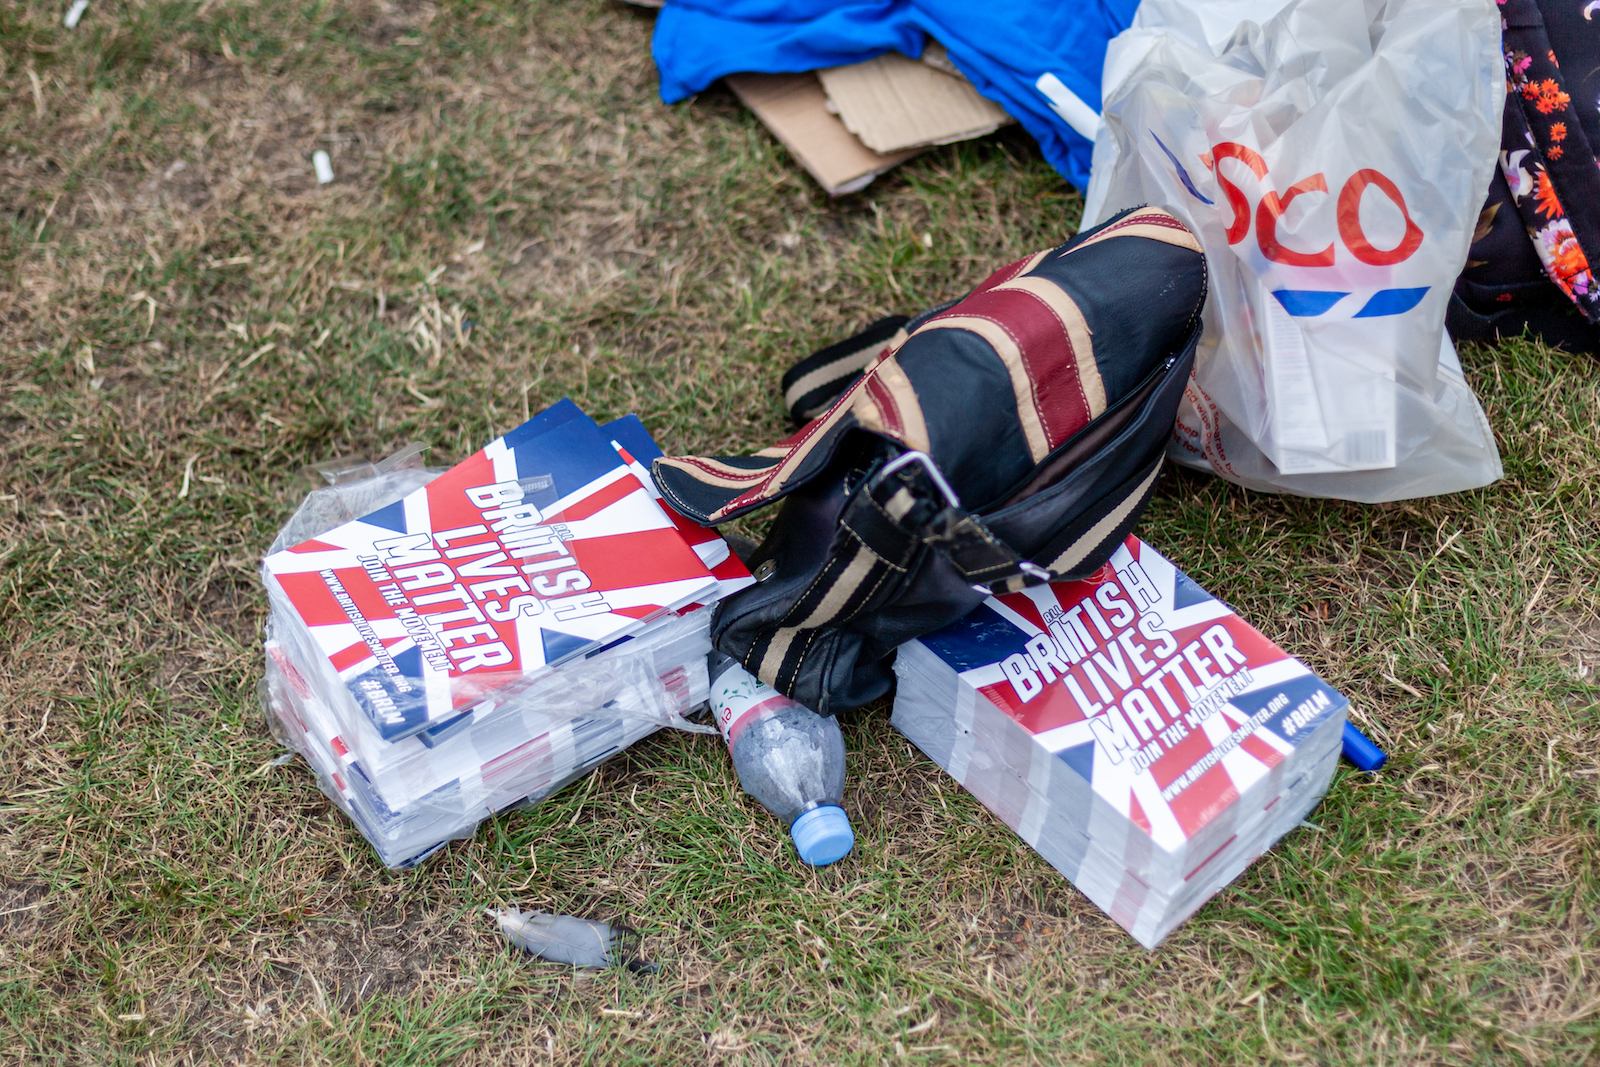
[320, 160]
[74, 13]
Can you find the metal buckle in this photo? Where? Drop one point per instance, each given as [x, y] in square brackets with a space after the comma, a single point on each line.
[905, 459]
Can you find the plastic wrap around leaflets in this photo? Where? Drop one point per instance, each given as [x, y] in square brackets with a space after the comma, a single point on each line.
[1332, 159]
[523, 742]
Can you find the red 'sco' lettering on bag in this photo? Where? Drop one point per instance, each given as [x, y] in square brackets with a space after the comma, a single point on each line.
[1273, 206]
[1240, 227]
[1350, 231]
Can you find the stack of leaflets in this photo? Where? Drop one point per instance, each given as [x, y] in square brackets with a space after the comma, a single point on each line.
[485, 635]
[1138, 734]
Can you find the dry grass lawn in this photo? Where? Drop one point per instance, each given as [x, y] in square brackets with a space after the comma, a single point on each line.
[187, 319]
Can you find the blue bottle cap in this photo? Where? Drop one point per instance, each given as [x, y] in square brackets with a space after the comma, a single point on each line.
[823, 835]
[1360, 750]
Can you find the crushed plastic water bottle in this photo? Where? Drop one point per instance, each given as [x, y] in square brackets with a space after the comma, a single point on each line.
[569, 939]
[788, 757]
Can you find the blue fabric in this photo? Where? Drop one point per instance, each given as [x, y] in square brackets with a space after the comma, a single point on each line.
[1002, 49]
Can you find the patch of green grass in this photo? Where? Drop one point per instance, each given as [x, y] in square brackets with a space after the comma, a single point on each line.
[516, 218]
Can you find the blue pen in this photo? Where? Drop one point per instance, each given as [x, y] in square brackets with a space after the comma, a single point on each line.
[1360, 750]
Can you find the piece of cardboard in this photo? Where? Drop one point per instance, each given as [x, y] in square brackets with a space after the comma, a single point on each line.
[892, 103]
[795, 108]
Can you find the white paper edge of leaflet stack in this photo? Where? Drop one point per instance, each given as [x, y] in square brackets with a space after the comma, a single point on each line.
[407, 831]
[408, 769]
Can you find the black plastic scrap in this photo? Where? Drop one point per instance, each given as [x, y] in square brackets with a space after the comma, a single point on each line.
[569, 939]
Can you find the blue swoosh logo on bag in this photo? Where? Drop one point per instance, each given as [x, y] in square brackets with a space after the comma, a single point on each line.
[1307, 303]
[1392, 302]
[1183, 175]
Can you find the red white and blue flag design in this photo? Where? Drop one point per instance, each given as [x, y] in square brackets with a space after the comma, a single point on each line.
[1161, 698]
[543, 546]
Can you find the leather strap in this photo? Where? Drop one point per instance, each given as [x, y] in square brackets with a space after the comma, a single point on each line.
[816, 381]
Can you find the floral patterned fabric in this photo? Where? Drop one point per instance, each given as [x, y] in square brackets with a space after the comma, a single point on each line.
[1546, 156]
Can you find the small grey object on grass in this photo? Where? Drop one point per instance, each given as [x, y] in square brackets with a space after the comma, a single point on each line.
[74, 13]
[569, 939]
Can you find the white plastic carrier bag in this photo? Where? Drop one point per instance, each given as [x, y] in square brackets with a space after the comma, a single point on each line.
[1333, 158]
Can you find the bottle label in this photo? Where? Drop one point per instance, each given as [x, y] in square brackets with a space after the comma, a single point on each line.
[738, 698]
